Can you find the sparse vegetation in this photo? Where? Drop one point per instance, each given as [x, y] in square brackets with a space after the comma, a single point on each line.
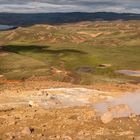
[35, 50]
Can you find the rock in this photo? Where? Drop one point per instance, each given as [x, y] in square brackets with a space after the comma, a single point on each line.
[88, 114]
[13, 123]
[26, 131]
[104, 65]
[43, 93]
[32, 103]
[1, 76]
[107, 117]
[83, 133]
[132, 115]
[100, 131]
[40, 135]
[11, 135]
[54, 137]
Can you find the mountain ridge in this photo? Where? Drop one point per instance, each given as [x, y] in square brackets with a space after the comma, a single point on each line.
[27, 19]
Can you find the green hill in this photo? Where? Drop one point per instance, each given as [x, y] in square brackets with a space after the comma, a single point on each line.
[84, 52]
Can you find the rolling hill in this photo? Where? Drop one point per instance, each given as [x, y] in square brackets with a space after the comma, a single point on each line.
[84, 52]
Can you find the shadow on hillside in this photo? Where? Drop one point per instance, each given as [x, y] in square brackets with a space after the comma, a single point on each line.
[38, 49]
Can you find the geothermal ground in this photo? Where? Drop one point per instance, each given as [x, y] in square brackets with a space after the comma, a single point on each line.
[61, 111]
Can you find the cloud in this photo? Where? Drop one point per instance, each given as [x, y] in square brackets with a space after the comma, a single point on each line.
[131, 6]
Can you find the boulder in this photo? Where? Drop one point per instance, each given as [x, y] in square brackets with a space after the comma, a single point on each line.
[26, 131]
[32, 104]
[107, 117]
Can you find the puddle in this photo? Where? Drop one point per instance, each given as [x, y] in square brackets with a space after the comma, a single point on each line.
[85, 69]
[129, 72]
[123, 106]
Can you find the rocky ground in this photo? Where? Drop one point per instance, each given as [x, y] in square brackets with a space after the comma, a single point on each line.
[41, 111]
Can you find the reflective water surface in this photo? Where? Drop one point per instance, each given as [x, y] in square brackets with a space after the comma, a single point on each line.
[129, 72]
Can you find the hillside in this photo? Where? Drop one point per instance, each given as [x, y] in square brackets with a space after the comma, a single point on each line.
[72, 81]
[84, 52]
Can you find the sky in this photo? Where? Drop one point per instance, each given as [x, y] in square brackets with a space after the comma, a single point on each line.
[38, 6]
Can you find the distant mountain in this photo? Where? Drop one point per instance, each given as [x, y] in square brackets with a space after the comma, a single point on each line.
[26, 19]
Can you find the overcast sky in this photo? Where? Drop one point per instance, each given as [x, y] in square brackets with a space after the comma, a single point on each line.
[131, 6]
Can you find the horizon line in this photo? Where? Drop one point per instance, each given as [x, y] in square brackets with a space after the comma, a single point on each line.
[67, 12]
